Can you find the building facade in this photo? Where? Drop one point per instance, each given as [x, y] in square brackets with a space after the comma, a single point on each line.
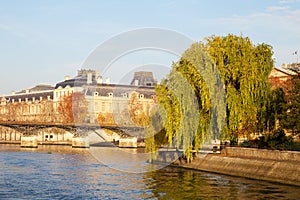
[292, 67]
[280, 77]
[41, 104]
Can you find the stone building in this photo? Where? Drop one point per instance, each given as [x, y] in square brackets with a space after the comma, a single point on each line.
[104, 97]
[40, 103]
[280, 76]
[292, 67]
[282, 73]
[34, 104]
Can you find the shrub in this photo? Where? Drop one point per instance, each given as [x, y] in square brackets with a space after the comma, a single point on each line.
[276, 140]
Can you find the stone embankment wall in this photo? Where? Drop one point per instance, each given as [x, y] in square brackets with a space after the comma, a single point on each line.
[262, 154]
[269, 165]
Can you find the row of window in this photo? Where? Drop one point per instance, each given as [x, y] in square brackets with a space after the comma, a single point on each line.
[125, 95]
[23, 109]
[27, 99]
[62, 93]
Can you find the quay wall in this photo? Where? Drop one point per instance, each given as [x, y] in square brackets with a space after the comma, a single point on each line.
[269, 165]
[262, 154]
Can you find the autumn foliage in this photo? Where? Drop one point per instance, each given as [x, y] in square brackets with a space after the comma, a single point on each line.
[73, 108]
[106, 119]
[134, 114]
[137, 114]
[283, 84]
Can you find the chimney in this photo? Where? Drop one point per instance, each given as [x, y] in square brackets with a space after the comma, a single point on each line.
[27, 91]
[99, 80]
[97, 73]
[284, 66]
[13, 93]
[107, 81]
[89, 78]
[67, 78]
[136, 82]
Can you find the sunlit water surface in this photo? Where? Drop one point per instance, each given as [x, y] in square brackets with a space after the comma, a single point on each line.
[60, 172]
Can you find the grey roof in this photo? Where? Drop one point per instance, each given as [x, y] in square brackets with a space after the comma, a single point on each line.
[104, 89]
[144, 78]
[119, 90]
[38, 88]
[78, 81]
[23, 97]
[294, 67]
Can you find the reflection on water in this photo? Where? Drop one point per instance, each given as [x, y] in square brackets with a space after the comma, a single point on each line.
[130, 160]
[60, 172]
[173, 183]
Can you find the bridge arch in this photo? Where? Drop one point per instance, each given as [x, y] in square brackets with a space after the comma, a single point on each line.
[9, 134]
[53, 134]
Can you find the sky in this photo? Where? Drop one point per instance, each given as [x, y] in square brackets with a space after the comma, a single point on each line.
[42, 41]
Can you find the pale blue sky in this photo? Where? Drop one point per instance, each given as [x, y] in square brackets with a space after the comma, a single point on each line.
[41, 41]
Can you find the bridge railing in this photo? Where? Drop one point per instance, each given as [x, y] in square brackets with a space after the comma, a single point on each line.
[24, 123]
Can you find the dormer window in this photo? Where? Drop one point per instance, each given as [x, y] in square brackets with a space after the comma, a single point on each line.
[149, 84]
[125, 95]
[141, 96]
[110, 94]
[96, 94]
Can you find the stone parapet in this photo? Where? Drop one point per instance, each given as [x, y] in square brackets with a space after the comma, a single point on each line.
[261, 154]
[269, 165]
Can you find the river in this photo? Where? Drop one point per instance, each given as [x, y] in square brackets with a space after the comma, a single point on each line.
[60, 172]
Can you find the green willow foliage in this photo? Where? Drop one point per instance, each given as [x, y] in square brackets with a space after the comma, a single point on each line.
[275, 110]
[193, 96]
[189, 98]
[245, 70]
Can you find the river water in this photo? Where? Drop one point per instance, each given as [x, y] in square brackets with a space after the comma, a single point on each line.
[60, 172]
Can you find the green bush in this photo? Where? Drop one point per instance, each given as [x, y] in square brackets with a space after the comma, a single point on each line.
[276, 140]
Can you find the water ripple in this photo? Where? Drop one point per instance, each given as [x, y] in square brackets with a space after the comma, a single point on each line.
[68, 173]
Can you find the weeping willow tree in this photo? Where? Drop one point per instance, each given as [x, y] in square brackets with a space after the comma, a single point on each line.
[217, 89]
[245, 70]
[190, 100]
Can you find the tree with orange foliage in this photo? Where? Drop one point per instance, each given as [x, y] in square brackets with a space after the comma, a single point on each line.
[73, 108]
[106, 119]
[277, 83]
[136, 111]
